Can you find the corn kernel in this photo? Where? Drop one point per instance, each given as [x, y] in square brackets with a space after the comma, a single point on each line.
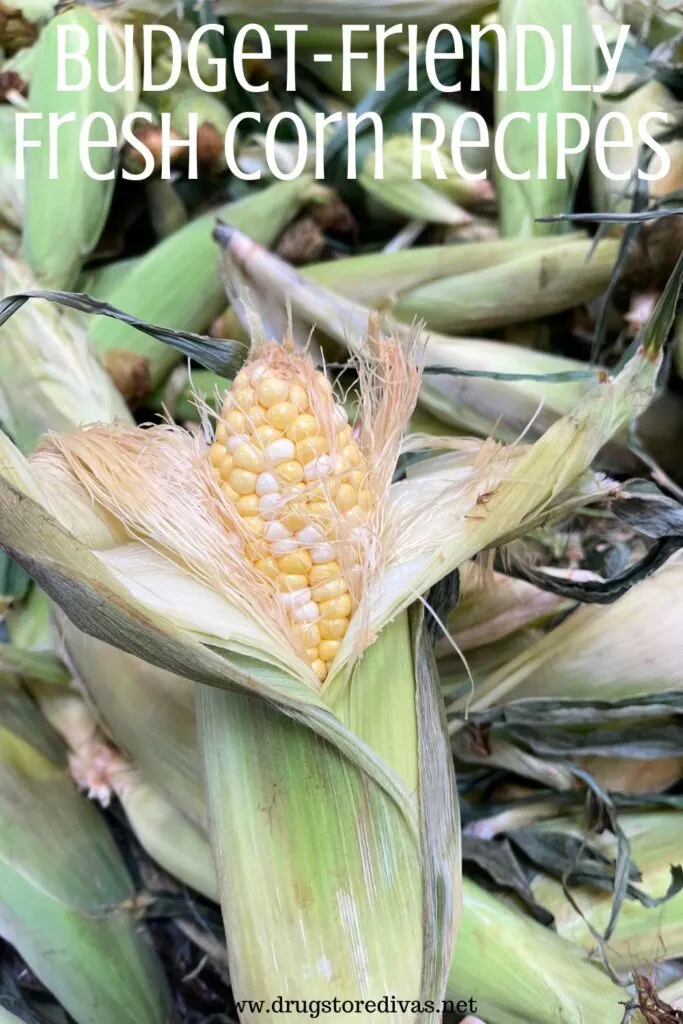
[271, 390]
[328, 649]
[290, 472]
[282, 415]
[268, 567]
[326, 571]
[242, 481]
[248, 505]
[248, 457]
[320, 668]
[311, 448]
[218, 452]
[346, 497]
[297, 562]
[298, 395]
[290, 583]
[331, 588]
[336, 607]
[333, 629]
[303, 426]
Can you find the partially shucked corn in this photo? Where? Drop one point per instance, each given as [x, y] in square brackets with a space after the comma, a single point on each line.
[286, 459]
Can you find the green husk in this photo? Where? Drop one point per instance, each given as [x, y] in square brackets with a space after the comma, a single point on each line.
[68, 914]
[642, 934]
[177, 284]
[49, 378]
[11, 188]
[100, 281]
[521, 202]
[64, 216]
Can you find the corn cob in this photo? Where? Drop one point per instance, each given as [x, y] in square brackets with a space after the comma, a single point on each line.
[283, 449]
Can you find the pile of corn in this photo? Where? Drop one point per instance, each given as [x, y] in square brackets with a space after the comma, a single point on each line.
[339, 664]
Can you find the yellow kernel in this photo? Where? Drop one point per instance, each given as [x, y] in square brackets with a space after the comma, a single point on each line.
[255, 416]
[328, 649]
[221, 433]
[331, 588]
[295, 562]
[229, 493]
[249, 457]
[290, 472]
[268, 567]
[311, 653]
[289, 582]
[271, 390]
[357, 478]
[299, 396]
[218, 452]
[333, 629]
[254, 525]
[346, 497]
[282, 415]
[248, 505]
[295, 517]
[242, 481]
[266, 434]
[344, 437]
[244, 397]
[352, 453]
[225, 466]
[303, 426]
[320, 668]
[336, 608]
[309, 634]
[365, 499]
[326, 571]
[311, 448]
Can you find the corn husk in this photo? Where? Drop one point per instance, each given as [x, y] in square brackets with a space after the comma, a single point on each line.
[100, 281]
[643, 934]
[176, 284]
[69, 915]
[475, 404]
[521, 202]
[65, 215]
[475, 287]
[49, 378]
[427, 197]
[595, 653]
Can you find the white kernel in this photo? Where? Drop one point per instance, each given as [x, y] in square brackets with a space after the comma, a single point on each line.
[322, 553]
[257, 372]
[266, 483]
[278, 452]
[279, 548]
[233, 443]
[340, 417]
[306, 613]
[296, 599]
[276, 531]
[310, 535]
[270, 505]
[318, 468]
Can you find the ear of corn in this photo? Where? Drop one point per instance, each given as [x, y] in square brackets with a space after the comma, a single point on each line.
[642, 934]
[538, 977]
[521, 202]
[473, 404]
[596, 651]
[66, 913]
[176, 284]
[65, 215]
[48, 374]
